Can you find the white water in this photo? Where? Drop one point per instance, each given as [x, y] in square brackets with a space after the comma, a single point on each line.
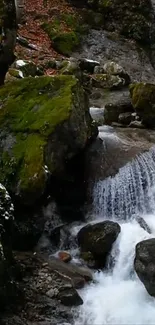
[118, 296]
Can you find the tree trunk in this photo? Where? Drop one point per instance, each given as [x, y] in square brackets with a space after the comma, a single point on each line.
[8, 28]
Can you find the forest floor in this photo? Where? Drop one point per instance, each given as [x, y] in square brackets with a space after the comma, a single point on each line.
[35, 13]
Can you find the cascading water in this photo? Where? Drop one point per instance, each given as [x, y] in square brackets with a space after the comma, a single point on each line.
[129, 192]
[118, 296]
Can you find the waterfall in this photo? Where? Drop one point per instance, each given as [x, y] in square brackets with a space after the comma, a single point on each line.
[127, 193]
[117, 296]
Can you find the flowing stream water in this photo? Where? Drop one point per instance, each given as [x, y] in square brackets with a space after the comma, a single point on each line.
[117, 296]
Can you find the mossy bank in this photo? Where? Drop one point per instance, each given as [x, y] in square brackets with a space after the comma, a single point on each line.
[44, 122]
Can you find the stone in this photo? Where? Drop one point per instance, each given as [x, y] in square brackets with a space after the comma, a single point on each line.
[143, 101]
[125, 118]
[113, 68]
[64, 256]
[88, 65]
[78, 275]
[136, 124]
[70, 297]
[143, 224]
[116, 105]
[144, 264]
[27, 68]
[98, 239]
[72, 68]
[55, 114]
[107, 81]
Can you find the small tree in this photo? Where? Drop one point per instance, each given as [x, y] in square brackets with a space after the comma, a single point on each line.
[8, 29]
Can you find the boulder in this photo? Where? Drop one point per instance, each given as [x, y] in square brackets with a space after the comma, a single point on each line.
[77, 275]
[88, 65]
[133, 19]
[27, 68]
[143, 224]
[145, 264]
[107, 81]
[98, 239]
[125, 118]
[143, 101]
[113, 68]
[45, 122]
[116, 105]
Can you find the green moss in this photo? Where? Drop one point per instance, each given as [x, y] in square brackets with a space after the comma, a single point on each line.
[65, 43]
[105, 3]
[143, 101]
[30, 111]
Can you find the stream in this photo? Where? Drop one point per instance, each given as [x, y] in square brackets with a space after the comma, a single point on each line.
[117, 296]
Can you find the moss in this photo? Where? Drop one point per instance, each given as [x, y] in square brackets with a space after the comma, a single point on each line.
[105, 3]
[107, 81]
[65, 43]
[65, 39]
[143, 101]
[30, 111]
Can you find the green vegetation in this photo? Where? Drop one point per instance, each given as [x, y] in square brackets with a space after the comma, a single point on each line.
[31, 109]
[65, 33]
[143, 101]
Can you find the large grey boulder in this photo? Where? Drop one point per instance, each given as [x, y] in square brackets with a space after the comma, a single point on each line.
[145, 264]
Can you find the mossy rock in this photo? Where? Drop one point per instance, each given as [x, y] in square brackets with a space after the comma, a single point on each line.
[143, 101]
[65, 43]
[98, 239]
[44, 122]
[28, 68]
[65, 40]
[107, 81]
[134, 18]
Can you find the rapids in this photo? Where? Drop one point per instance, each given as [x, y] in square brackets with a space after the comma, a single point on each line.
[117, 296]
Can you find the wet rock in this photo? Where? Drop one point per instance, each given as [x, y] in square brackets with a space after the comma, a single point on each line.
[145, 264]
[78, 275]
[64, 256]
[72, 68]
[125, 118]
[98, 239]
[69, 296]
[89, 259]
[27, 68]
[116, 105]
[143, 224]
[88, 65]
[136, 124]
[143, 100]
[117, 125]
[107, 81]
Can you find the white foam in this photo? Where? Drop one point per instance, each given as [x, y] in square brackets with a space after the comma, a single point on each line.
[118, 297]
